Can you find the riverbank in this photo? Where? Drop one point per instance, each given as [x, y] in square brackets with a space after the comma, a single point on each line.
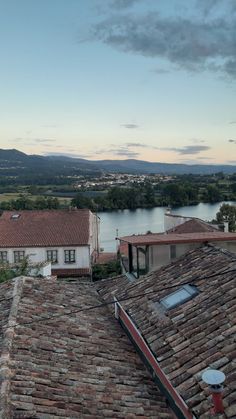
[139, 221]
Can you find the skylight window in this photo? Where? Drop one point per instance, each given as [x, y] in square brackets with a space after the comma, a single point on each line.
[15, 216]
[183, 294]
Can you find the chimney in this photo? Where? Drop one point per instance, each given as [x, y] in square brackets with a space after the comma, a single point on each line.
[215, 379]
[226, 226]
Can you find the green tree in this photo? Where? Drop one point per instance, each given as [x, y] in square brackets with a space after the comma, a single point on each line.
[149, 195]
[233, 188]
[175, 194]
[80, 201]
[227, 213]
[212, 194]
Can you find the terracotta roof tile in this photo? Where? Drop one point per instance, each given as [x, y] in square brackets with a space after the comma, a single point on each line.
[105, 257]
[195, 335]
[172, 238]
[80, 365]
[194, 225]
[44, 228]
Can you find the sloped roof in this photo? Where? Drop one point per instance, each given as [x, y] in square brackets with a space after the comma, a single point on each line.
[79, 364]
[195, 225]
[174, 238]
[44, 228]
[195, 335]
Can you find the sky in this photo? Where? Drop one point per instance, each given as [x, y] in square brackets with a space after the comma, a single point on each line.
[152, 80]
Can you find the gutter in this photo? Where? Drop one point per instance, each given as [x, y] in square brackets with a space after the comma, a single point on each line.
[175, 401]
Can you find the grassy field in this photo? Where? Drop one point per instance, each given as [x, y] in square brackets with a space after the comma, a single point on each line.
[9, 196]
[15, 195]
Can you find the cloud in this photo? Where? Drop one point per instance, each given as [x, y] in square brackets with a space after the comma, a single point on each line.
[197, 140]
[122, 150]
[232, 141]
[73, 155]
[35, 140]
[232, 122]
[193, 161]
[188, 43]
[161, 71]
[123, 4]
[50, 126]
[232, 162]
[137, 145]
[43, 140]
[130, 126]
[191, 149]
[206, 158]
[207, 6]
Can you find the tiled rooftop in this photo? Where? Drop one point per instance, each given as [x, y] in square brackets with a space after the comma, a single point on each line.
[78, 365]
[174, 238]
[44, 228]
[195, 335]
[194, 225]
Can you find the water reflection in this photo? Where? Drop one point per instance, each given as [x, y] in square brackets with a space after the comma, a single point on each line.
[142, 220]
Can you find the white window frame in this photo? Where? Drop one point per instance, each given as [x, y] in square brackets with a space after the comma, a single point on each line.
[68, 258]
[18, 255]
[52, 256]
[3, 256]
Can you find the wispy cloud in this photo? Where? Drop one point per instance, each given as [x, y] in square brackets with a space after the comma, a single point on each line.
[194, 161]
[34, 140]
[232, 141]
[161, 71]
[129, 149]
[189, 149]
[207, 6]
[197, 140]
[232, 122]
[187, 42]
[137, 145]
[121, 150]
[43, 140]
[130, 126]
[124, 151]
[123, 4]
[73, 155]
[50, 126]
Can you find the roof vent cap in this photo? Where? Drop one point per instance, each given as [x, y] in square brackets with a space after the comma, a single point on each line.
[213, 377]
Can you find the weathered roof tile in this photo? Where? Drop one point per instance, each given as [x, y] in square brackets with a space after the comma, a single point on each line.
[44, 228]
[197, 334]
[80, 364]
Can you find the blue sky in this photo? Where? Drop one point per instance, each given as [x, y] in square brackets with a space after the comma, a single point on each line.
[144, 79]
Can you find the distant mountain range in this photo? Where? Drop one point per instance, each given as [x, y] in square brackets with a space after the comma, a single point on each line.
[15, 163]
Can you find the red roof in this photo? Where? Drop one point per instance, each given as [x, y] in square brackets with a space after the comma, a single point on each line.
[194, 225]
[149, 239]
[44, 228]
[106, 257]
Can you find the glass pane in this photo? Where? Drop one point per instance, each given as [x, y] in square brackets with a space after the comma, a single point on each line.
[176, 298]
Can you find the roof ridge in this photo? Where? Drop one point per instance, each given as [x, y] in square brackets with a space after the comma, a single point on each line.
[8, 333]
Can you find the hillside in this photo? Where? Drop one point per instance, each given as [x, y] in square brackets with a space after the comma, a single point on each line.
[16, 163]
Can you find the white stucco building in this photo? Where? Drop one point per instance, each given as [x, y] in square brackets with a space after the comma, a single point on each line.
[66, 238]
[143, 253]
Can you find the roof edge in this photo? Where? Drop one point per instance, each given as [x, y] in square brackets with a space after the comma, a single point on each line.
[5, 371]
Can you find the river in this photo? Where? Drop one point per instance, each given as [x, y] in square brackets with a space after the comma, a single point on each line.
[139, 221]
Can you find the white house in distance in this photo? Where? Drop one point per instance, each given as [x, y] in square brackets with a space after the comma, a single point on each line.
[66, 238]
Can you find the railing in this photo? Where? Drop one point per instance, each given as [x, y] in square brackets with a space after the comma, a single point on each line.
[176, 402]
